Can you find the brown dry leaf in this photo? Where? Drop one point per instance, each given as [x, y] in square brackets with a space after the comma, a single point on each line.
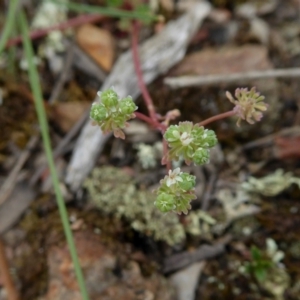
[167, 5]
[67, 114]
[225, 60]
[287, 147]
[98, 43]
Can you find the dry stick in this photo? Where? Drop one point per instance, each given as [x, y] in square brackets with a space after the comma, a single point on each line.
[63, 76]
[269, 139]
[209, 189]
[59, 150]
[139, 74]
[186, 81]
[84, 19]
[11, 180]
[204, 252]
[12, 293]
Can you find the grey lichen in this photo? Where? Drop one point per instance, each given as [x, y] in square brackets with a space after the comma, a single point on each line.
[114, 193]
[272, 184]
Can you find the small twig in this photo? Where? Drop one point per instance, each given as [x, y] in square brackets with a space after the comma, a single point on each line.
[269, 139]
[208, 191]
[80, 20]
[8, 283]
[59, 150]
[204, 252]
[139, 74]
[218, 117]
[63, 76]
[187, 81]
[11, 180]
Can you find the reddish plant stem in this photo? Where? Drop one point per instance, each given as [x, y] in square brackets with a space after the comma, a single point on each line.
[139, 74]
[165, 151]
[148, 120]
[80, 20]
[12, 293]
[218, 117]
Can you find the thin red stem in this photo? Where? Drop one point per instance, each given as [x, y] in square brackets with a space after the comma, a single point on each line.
[80, 20]
[149, 121]
[144, 118]
[165, 152]
[139, 74]
[218, 117]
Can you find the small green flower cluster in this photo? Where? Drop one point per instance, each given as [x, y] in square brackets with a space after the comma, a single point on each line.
[112, 113]
[248, 104]
[176, 191]
[192, 142]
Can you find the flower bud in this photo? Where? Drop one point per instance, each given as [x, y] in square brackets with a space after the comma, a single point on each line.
[172, 134]
[201, 156]
[165, 202]
[210, 138]
[109, 98]
[127, 106]
[188, 182]
[98, 112]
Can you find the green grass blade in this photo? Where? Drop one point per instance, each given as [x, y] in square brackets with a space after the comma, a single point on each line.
[9, 24]
[108, 11]
[38, 100]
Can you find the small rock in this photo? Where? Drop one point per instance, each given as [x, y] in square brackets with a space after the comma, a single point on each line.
[103, 283]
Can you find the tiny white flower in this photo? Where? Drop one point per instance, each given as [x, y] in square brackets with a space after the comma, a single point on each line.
[174, 176]
[186, 139]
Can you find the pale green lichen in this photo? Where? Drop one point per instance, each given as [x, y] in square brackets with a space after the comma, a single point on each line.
[148, 155]
[114, 193]
[272, 184]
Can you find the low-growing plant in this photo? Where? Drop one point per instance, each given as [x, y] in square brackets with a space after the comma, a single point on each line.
[184, 141]
[264, 264]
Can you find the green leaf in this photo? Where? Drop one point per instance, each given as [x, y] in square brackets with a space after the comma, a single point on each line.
[114, 3]
[98, 112]
[42, 117]
[165, 202]
[256, 253]
[260, 274]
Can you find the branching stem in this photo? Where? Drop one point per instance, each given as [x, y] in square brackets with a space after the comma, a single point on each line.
[139, 74]
[218, 117]
[148, 120]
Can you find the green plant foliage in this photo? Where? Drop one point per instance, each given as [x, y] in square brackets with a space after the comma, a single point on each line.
[110, 10]
[112, 113]
[259, 264]
[42, 117]
[263, 261]
[248, 104]
[114, 193]
[176, 191]
[192, 142]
